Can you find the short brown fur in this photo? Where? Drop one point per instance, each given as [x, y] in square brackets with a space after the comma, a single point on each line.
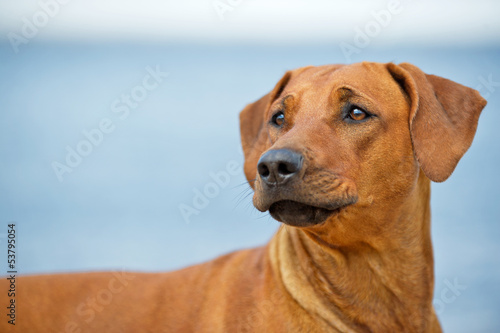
[368, 268]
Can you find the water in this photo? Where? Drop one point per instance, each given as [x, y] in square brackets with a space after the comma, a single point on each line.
[119, 208]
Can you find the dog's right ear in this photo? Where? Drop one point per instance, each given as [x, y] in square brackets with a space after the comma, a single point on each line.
[254, 137]
[443, 118]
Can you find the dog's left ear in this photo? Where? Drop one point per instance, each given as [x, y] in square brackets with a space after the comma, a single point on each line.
[443, 118]
[252, 128]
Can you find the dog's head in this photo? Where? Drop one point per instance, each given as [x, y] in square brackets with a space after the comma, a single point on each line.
[336, 139]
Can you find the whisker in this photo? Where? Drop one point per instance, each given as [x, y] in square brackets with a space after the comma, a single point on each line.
[242, 184]
[264, 216]
[243, 197]
[243, 193]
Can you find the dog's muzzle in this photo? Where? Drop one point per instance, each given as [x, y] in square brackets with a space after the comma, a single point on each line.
[288, 198]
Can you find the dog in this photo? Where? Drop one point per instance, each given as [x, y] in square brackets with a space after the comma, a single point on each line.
[341, 155]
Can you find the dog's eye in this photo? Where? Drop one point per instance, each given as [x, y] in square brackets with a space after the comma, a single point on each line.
[278, 119]
[357, 114]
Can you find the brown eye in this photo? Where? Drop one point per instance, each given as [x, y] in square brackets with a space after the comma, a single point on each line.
[357, 114]
[278, 119]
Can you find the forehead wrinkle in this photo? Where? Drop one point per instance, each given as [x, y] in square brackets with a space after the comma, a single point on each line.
[372, 79]
[318, 87]
[286, 104]
[348, 91]
[287, 101]
[283, 102]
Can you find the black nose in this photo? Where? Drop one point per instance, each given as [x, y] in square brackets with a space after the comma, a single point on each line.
[278, 166]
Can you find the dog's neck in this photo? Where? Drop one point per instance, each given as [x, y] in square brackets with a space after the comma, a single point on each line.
[370, 288]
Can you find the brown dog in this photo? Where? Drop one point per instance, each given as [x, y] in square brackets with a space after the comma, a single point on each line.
[343, 156]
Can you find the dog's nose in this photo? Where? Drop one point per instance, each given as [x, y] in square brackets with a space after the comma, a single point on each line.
[278, 166]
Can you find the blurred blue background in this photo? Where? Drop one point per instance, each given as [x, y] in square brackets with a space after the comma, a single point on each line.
[120, 207]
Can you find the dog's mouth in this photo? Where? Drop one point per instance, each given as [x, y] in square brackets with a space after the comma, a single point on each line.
[299, 214]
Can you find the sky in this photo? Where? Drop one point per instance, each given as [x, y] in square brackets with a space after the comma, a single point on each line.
[402, 22]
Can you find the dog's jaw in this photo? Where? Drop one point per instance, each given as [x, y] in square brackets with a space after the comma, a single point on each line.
[321, 277]
[298, 214]
[308, 201]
